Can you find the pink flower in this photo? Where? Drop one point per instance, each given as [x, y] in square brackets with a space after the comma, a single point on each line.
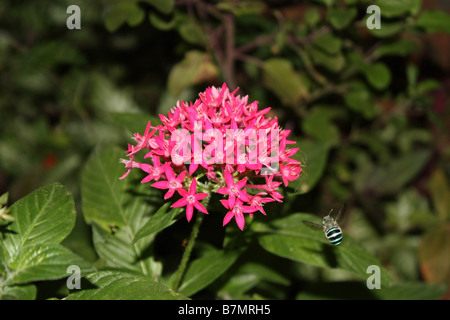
[233, 189]
[237, 211]
[129, 164]
[257, 202]
[289, 172]
[271, 187]
[220, 143]
[190, 200]
[173, 183]
[154, 171]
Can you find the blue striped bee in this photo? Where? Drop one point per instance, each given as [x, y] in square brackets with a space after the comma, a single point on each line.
[330, 226]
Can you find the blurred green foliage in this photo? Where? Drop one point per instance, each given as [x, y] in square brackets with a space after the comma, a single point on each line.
[369, 109]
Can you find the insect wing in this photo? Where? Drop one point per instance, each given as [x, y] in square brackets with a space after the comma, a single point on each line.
[340, 213]
[313, 225]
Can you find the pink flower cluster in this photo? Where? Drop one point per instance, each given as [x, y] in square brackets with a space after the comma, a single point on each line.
[219, 143]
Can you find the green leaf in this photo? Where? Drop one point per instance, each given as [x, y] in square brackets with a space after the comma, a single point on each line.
[391, 178]
[284, 81]
[390, 9]
[312, 17]
[332, 62]
[21, 292]
[123, 12]
[427, 85]
[411, 291]
[378, 75]
[191, 31]
[329, 43]
[47, 215]
[318, 124]
[118, 251]
[119, 209]
[359, 100]
[291, 238]
[388, 29]
[400, 47]
[434, 21]
[119, 285]
[42, 262]
[313, 155]
[108, 97]
[159, 221]
[195, 68]
[158, 22]
[204, 270]
[341, 17]
[409, 212]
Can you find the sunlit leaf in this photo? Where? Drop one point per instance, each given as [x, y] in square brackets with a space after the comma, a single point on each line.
[440, 193]
[42, 262]
[434, 254]
[280, 77]
[47, 215]
[195, 68]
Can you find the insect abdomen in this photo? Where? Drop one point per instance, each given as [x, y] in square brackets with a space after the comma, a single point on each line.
[334, 235]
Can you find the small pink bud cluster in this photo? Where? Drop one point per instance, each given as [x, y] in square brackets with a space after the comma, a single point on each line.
[219, 143]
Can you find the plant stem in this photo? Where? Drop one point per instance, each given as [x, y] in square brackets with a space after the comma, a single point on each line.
[190, 245]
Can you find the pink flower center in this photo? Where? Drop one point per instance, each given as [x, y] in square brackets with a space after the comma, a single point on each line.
[174, 184]
[237, 209]
[234, 190]
[257, 202]
[190, 199]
